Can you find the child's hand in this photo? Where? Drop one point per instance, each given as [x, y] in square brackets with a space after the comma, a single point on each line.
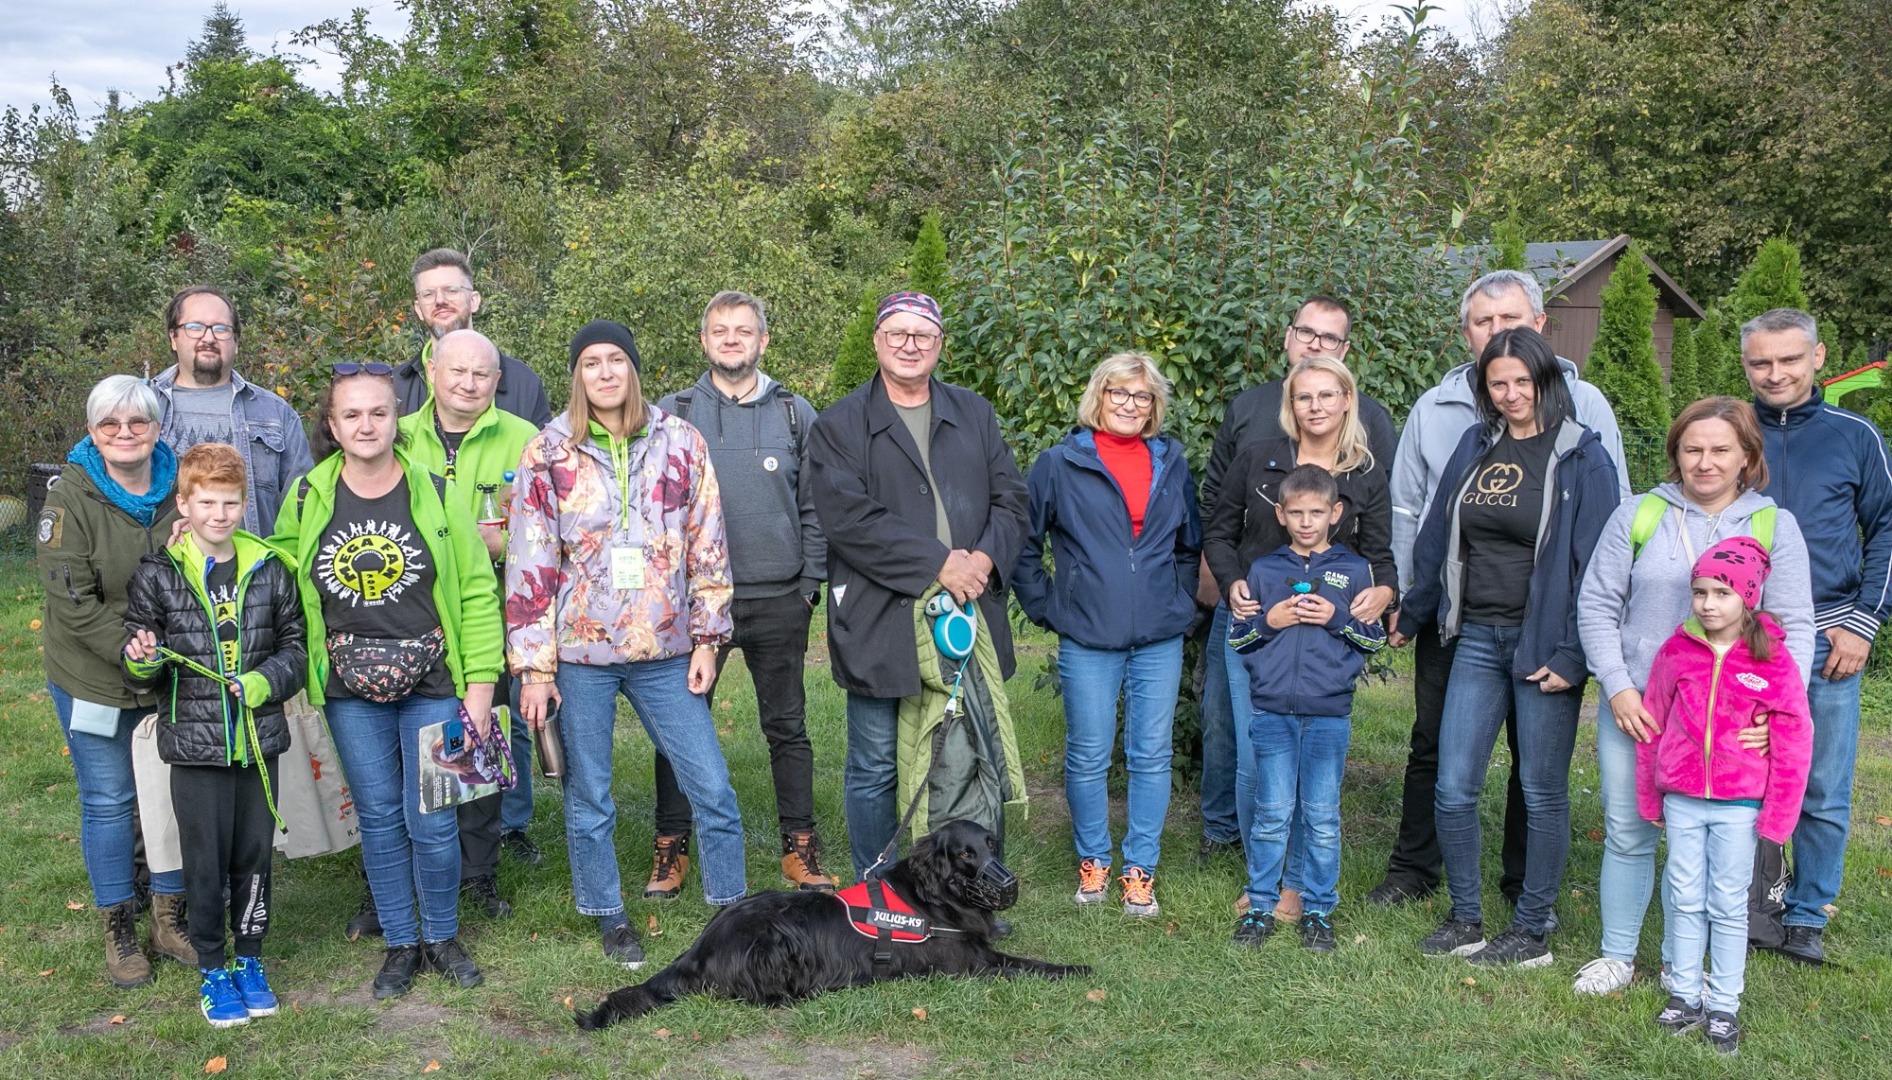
[1285, 614]
[1659, 823]
[236, 689]
[143, 646]
[1315, 610]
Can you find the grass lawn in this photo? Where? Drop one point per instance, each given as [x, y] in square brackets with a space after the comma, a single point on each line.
[1170, 996]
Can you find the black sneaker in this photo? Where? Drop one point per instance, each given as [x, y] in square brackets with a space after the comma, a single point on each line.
[367, 921]
[1394, 891]
[1678, 1017]
[1209, 850]
[1516, 947]
[1254, 928]
[520, 846]
[1454, 938]
[1723, 1033]
[396, 976]
[621, 946]
[449, 959]
[484, 890]
[1804, 945]
[1317, 932]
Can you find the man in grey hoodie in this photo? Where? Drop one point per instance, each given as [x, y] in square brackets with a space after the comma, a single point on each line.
[1500, 300]
[757, 432]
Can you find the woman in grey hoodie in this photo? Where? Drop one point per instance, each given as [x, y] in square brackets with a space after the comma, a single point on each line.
[1634, 596]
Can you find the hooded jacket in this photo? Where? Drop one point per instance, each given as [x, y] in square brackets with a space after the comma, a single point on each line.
[521, 392]
[1699, 701]
[1108, 589]
[198, 724]
[768, 491]
[466, 595]
[569, 510]
[1829, 468]
[1306, 670]
[1580, 492]
[1630, 604]
[1439, 419]
[489, 450]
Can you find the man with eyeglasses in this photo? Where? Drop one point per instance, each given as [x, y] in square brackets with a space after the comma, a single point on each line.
[914, 485]
[1321, 327]
[1500, 300]
[444, 301]
[203, 399]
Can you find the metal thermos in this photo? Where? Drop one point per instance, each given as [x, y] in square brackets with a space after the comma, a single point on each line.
[547, 746]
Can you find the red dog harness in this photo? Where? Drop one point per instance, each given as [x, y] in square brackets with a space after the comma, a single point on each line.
[876, 911]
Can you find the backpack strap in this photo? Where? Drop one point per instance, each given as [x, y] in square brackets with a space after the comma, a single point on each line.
[302, 494]
[1642, 528]
[787, 397]
[1762, 526]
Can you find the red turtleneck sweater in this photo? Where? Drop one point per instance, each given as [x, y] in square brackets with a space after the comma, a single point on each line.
[1128, 459]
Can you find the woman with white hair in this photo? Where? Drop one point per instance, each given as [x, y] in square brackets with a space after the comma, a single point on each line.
[109, 508]
[1116, 505]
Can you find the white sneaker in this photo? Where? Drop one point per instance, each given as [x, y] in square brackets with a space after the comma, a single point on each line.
[1604, 975]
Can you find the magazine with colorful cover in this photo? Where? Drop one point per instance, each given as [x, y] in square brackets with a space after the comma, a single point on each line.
[447, 781]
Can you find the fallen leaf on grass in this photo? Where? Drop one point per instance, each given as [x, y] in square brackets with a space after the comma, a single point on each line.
[1883, 820]
[74, 905]
[696, 1036]
[650, 925]
[568, 1001]
[1171, 929]
[34, 625]
[1596, 836]
[432, 1066]
[1097, 995]
[919, 1014]
[535, 935]
[661, 1033]
[47, 972]
[216, 1065]
[1359, 939]
[118, 1019]
[1469, 981]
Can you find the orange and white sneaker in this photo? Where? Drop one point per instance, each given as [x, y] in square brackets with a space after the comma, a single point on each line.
[1093, 881]
[1139, 893]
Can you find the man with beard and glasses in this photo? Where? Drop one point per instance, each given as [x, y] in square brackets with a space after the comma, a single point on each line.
[444, 301]
[757, 431]
[203, 399]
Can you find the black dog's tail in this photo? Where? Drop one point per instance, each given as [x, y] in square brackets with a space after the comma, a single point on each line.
[629, 1002]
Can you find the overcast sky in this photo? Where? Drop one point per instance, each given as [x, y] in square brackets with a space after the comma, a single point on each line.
[94, 46]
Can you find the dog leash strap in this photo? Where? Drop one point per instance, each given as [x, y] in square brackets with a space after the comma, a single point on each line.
[952, 712]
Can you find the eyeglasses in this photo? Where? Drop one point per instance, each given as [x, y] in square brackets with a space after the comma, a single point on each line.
[1307, 335]
[220, 331]
[919, 339]
[445, 292]
[349, 367]
[1328, 399]
[112, 425]
[1120, 396]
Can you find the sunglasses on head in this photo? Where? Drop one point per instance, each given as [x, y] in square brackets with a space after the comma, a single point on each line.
[350, 367]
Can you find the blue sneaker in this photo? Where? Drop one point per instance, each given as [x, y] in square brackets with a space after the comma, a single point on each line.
[221, 1003]
[253, 986]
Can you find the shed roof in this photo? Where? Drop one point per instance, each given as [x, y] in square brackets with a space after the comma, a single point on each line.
[1559, 264]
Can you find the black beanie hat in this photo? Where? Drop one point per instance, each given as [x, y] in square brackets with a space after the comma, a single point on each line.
[604, 330]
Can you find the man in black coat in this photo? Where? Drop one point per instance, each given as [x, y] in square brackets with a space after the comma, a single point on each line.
[913, 484]
[444, 301]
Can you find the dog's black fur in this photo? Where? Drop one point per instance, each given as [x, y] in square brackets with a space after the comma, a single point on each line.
[776, 948]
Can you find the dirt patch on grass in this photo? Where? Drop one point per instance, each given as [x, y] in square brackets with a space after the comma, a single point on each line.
[775, 1057]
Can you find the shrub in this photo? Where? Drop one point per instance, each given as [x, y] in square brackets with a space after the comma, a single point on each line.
[1622, 362]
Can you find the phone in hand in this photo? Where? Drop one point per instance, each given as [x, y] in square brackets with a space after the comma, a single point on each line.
[454, 731]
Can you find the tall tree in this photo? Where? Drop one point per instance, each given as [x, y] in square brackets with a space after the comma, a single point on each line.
[1622, 362]
[1684, 369]
[1771, 280]
[223, 40]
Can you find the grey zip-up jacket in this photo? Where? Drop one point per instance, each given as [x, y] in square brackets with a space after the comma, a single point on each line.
[1629, 606]
[266, 431]
[775, 540]
[1433, 428]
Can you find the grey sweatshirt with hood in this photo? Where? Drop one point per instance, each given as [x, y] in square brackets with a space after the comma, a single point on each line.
[775, 541]
[1628, 607]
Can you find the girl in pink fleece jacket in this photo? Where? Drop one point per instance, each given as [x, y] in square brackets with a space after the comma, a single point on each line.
[1724, 669]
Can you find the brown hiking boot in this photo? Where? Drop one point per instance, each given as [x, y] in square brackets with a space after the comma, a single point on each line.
[668, 865]
[169, 935]
[801, 862]
[125, 963]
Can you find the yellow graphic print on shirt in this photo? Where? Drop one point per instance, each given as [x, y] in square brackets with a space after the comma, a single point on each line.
[370, 563]
[223, 605]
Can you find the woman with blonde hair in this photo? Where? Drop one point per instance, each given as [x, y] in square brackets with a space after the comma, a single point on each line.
[1116, 504]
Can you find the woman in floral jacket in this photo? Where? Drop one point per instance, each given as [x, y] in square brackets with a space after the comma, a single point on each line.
[617, 582]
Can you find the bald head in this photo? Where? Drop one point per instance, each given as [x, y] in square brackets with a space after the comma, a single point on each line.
[465, 371]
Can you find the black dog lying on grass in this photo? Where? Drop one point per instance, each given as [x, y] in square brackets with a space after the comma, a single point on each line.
[776, 948]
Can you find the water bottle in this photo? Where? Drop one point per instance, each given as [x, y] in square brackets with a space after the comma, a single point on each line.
[489, 506]
[547, 747]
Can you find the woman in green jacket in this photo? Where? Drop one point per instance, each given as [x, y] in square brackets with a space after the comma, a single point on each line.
[404, 631]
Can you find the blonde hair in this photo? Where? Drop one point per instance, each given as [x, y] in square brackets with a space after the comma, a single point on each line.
[1122, 368]
[636, 409]
[1352, 453]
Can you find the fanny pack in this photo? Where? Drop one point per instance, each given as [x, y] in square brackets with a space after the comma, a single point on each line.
[384, 669]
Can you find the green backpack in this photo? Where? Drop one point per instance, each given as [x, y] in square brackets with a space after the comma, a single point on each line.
[1649, 513]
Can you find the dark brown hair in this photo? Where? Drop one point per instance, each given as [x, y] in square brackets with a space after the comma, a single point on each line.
[322, 444]
[176, 305]
[1747, 431]
[439, 257]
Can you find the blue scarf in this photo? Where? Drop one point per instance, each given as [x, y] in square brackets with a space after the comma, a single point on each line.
[144, 508]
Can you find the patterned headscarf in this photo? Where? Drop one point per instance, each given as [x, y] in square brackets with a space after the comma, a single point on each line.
[915, 303]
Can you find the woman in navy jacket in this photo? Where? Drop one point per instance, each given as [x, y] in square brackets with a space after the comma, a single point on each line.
[1117, 506]
[1497, 565]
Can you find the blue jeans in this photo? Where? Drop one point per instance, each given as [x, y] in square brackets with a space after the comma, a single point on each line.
[1241, 709]
[1826, 814]
[515, 804]
[1629, 844]
[679, 725]
[1482, 689]
[1711, 862]
[1220, 820]
[108, 828]
[1299, 760]
[1148, 676]
[402, 849]
[871, 777]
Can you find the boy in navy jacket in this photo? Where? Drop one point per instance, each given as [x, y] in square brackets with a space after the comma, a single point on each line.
[1304, 652]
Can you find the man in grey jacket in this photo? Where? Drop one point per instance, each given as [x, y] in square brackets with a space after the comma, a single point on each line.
[757, 432]
[1500, 300]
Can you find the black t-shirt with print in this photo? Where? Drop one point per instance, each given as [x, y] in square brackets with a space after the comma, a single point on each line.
[220, 587]
[376, 577]
[1499, 516]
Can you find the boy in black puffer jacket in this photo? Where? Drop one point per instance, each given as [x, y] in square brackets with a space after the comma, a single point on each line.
[215, 628]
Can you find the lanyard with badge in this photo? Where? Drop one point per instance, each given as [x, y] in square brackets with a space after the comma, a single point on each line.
[627, 541]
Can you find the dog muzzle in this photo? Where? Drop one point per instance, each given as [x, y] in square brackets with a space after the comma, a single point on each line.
[993, 888]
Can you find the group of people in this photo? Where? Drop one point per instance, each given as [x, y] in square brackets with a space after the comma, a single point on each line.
[442, 543]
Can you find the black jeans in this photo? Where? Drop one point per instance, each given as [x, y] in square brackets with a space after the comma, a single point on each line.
[224, 834]
[772, 633]
[479, 819]
[1416, 859]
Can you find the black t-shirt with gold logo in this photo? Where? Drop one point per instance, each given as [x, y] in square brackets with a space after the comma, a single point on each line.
[1499, 516]
[376, 576]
